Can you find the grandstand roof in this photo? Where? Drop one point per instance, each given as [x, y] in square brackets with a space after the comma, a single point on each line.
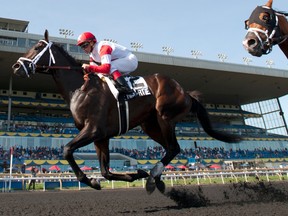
[13, 25]
[219, 82]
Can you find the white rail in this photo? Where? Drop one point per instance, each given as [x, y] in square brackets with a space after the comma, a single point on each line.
[170, 177]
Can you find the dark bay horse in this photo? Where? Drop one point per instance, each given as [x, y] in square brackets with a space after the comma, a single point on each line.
[266, 28]
[95, 111]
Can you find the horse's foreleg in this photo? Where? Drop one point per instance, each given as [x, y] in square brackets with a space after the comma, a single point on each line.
[82, 139]
[102, 149]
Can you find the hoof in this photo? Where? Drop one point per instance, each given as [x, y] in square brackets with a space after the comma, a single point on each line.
[150, 185]
[95, 184]
[160, 185]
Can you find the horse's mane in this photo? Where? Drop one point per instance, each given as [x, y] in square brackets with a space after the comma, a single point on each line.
[66, 54]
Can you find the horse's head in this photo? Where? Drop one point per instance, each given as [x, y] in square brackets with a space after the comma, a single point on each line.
[262, 30]
[39, 54]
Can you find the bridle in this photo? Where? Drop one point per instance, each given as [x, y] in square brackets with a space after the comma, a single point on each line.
[272, 33]
[32, 66]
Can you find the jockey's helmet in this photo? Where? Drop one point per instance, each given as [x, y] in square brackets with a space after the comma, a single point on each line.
[86, 37]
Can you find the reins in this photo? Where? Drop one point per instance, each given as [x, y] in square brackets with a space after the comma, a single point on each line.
[279, 40]
[59, 67]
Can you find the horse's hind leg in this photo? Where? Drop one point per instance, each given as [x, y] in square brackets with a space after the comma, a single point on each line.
[163, 132]
[102, 149]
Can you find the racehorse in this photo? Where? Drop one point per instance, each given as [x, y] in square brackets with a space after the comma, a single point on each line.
[95, 111]
[266, 28]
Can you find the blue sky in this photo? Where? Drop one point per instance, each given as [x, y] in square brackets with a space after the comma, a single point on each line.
[209, 26]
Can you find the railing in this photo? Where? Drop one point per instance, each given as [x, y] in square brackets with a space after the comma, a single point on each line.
[226, 176]
[178, 178]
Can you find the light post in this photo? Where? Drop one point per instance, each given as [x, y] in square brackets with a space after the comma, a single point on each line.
[111, 40]
[270, 62]
[167, 50]
[136, 46]
[66, 32]
[247, 60]
[196, 53]
[222, 57]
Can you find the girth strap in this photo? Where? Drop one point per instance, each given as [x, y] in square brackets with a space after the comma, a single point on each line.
[123, 115]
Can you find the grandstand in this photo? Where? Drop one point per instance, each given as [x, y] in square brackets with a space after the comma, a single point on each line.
[241, 99]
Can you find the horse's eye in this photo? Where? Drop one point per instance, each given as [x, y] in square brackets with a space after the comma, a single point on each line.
[266, 18]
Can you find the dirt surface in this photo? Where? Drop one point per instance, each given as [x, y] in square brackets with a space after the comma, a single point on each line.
[234, 199]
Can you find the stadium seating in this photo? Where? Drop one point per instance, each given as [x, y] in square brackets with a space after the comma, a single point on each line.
[53, 119]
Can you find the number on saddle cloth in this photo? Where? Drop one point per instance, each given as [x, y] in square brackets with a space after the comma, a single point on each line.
[139, 85]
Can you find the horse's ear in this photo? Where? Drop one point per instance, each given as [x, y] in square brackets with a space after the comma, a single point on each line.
[246, 23]
[46, 35]
[269, 3]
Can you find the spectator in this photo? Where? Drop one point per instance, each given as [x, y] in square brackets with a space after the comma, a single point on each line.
[23, 168]
[32, 181]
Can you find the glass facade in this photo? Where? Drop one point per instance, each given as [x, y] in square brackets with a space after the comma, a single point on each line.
[271, 118]
[21, 42]
[7, 41]
[27, 43]
[33, 142]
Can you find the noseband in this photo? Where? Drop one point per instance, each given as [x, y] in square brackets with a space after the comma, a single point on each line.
[272, 33]
[32, 65]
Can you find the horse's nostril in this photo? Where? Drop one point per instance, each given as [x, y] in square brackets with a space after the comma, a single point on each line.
[251, 42]
[16, 66]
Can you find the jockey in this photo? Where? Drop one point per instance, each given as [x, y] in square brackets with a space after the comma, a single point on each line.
[108, 58]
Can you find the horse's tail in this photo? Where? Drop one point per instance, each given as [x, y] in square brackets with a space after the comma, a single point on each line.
[204, 120]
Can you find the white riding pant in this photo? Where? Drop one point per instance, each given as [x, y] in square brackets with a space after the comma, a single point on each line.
[124, 65]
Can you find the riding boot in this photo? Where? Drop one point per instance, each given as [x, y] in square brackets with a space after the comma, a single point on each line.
[124, 87]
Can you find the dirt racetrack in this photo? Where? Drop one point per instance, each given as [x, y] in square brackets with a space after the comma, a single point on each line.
[234, 199]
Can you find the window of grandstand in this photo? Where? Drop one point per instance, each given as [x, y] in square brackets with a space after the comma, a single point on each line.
[4, 92]
[51, 96]
[73, 48]
[21, 42]
[32, 42]
[7, 41]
